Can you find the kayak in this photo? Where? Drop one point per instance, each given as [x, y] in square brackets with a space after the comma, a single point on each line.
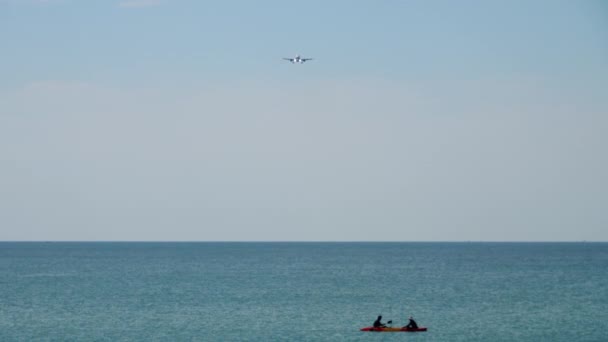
[391, 329]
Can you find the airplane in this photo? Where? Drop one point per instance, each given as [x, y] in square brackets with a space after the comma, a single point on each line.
[297, 59]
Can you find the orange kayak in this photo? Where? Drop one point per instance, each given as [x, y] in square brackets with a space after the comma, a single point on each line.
[391, 329]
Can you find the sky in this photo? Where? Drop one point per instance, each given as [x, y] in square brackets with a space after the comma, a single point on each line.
[178, 120]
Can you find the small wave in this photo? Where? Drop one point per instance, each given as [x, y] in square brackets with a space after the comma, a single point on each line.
[41, 275]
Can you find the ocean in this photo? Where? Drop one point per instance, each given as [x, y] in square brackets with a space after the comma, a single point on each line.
[275, 291]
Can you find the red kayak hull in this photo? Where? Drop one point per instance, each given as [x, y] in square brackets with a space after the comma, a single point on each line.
[391, 329]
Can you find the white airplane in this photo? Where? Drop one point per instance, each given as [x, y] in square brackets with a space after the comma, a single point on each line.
[297, 59]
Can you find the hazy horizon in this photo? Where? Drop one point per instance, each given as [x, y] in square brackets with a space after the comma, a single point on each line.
[329, 242]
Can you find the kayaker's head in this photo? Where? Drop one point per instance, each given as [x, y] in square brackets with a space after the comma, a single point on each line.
[379, 317]
[411, 317]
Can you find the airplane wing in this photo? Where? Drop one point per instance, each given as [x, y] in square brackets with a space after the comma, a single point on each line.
[306, 59]
[288, 59]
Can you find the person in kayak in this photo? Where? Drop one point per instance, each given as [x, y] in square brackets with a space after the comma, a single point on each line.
[378, 323]
[412, 324]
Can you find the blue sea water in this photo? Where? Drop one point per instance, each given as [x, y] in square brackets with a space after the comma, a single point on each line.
[302, 291]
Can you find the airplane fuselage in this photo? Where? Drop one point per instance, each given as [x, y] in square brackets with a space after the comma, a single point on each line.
[298, 59]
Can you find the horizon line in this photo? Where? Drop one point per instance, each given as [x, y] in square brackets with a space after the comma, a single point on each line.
[303, 241]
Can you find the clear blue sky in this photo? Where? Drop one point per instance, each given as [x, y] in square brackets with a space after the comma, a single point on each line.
[416, 120]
